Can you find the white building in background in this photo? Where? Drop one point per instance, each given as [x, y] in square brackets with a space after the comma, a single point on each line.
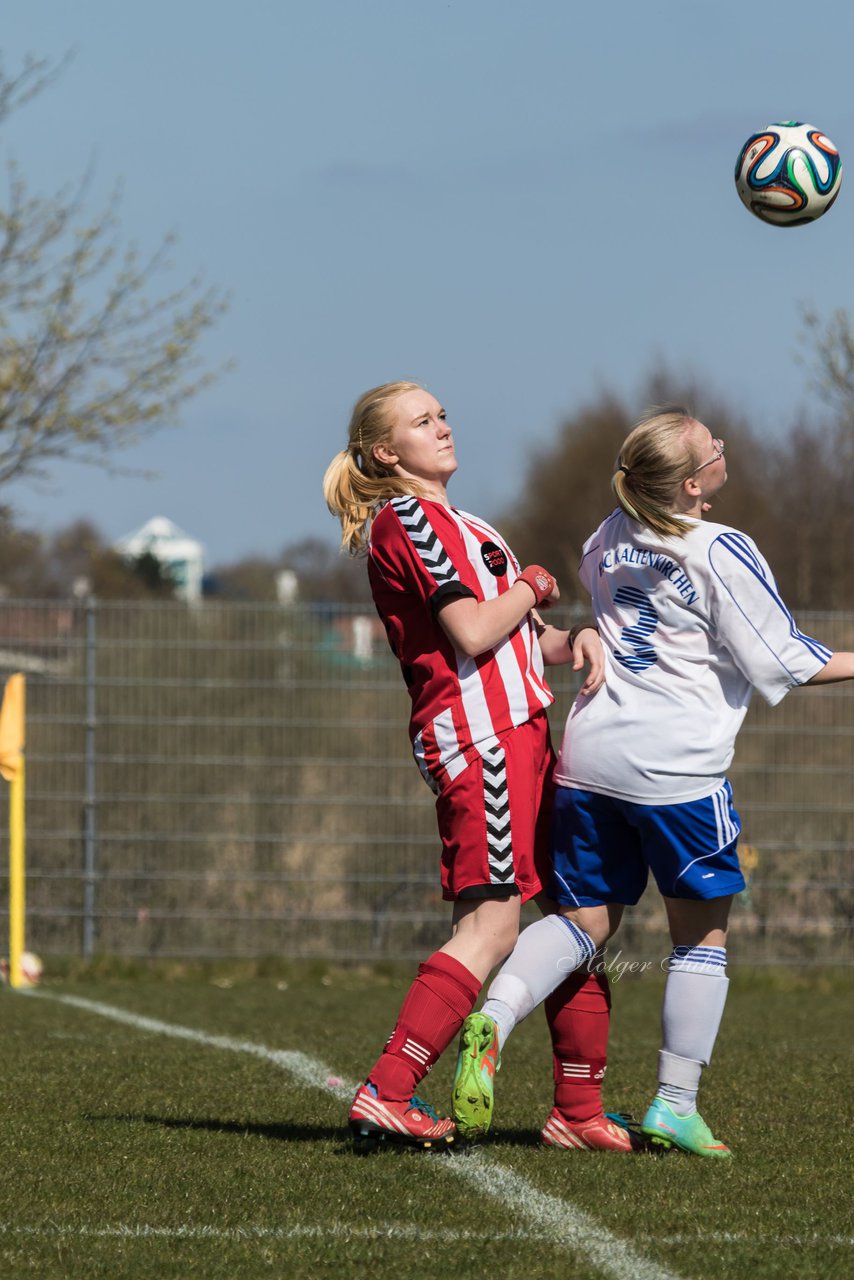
[177, 552]
[287, 586]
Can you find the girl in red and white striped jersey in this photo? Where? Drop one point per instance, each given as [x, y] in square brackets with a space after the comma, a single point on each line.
[461, 618]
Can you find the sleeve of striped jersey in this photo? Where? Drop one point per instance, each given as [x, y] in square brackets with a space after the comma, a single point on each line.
[753, 623]
[412, 555]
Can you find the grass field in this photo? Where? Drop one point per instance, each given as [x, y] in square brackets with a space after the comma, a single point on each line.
[180, 1123]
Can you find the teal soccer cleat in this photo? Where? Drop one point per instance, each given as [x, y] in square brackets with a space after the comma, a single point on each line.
[690, 1133]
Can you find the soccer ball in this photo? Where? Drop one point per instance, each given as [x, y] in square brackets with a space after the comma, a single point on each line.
[788, 174]
[31, 969]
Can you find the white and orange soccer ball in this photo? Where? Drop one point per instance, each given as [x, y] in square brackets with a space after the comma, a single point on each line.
[788, 173]
[32, 969]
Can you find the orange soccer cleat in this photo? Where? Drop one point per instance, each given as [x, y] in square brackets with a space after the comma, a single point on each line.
[601, 1133]
[411, 1123]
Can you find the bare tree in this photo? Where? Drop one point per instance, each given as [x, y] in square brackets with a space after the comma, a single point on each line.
[90, 361]
[832, 343]
[322, 573]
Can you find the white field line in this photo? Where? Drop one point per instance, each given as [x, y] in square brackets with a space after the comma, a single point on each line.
[299, 1231]
[559, 1219]
[389, 1231]
[307, 1070]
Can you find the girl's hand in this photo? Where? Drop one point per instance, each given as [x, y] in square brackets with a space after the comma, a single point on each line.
[587, 647]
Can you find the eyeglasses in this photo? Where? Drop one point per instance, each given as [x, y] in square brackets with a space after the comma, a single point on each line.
[716, 457]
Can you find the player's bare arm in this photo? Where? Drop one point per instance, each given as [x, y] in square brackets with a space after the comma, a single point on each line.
[840, 667]
[474, 626]
[579, 646]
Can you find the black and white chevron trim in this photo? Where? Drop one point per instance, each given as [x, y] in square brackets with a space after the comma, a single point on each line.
[499, 840]
[421, 534]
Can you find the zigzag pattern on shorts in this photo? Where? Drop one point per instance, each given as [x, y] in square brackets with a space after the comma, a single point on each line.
[499, 840]
[418, 528]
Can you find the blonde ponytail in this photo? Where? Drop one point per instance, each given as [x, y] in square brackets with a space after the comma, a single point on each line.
[656, 457]
[355, 484]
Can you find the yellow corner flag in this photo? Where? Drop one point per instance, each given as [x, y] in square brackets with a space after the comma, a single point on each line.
[12, 728]
[12, 736]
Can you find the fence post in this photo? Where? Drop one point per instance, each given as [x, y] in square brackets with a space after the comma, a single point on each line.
[89, 832]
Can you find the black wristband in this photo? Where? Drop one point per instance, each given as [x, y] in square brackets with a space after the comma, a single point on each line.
[578, 628]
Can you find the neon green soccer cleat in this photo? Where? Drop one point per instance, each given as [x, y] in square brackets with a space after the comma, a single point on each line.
[477, 1062]
[665, 1128]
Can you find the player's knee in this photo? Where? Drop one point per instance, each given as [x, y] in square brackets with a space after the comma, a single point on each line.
[498, 945]
[492, 928]
[597, 922]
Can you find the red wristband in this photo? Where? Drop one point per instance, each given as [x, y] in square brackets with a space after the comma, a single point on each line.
[539, 580]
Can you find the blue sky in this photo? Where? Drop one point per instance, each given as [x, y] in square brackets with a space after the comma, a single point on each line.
[517, 205]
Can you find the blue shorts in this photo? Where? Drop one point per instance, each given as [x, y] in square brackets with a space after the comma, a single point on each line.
[603, 849]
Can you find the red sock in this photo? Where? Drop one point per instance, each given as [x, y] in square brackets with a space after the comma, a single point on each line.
[435, 1007]
[578, 1013]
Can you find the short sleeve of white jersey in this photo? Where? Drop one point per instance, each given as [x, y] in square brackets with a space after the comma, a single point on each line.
[751, 621]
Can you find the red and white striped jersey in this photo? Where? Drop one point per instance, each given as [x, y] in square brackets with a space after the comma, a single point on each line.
[422, 553]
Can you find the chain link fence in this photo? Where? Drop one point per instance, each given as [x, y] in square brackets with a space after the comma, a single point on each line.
[234, 780]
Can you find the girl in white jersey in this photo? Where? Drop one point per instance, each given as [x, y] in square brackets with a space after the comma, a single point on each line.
[691, 623]
[458, 611]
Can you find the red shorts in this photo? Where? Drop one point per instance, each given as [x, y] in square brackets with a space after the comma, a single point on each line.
[495, 817]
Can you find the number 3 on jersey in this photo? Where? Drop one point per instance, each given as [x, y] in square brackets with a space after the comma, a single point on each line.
[637, 637]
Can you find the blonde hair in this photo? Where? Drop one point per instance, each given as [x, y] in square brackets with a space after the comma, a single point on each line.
[356, 484]
[658, 454]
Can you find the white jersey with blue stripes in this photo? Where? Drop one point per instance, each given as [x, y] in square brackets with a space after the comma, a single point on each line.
[690, 627]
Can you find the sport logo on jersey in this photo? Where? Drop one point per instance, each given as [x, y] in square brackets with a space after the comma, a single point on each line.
[494, 559]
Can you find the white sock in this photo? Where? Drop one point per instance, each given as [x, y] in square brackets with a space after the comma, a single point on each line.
[545, 953]
[694, 999]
